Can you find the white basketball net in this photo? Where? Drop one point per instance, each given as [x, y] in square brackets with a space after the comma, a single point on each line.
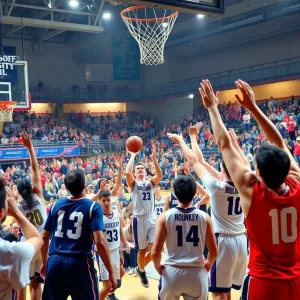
[6, 110]
[150, 33]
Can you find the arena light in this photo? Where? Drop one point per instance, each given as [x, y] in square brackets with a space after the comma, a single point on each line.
[73, 3]
[200, 16]
[191, 96]
[107, 16]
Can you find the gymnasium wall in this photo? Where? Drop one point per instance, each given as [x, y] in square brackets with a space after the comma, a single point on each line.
[95, 108]
[63, 65]
[164, 111]
[276, 90]
[42, 108]
[228, 58]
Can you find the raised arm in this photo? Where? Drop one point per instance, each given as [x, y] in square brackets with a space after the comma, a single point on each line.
[234, 140]
[193, 132]
[129, 171]
[36, 176]
[160, 238]
[118, 184]
[265, 124]
[239, 173]
[189, 155]
[158, 173]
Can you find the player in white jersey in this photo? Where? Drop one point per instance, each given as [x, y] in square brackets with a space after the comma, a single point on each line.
[159, 200]
[144, 222]
[171, 200]
[104, 184]
[115, 239]
[33, 207]
[228, 219]
[186, 230]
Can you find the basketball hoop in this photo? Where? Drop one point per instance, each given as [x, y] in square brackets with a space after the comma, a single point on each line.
[150, 33]
[6, 110]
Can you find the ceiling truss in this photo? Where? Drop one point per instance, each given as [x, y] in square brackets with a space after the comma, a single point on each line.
[49, 19]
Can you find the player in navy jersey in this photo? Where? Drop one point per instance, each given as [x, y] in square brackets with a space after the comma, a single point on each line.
[73, 225]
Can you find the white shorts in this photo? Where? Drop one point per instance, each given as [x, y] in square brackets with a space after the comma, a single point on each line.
[35, 267]
[229, 269]
[188, 282]
[115, 262]
[144, 231]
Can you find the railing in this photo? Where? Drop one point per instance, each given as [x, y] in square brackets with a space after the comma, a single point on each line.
[285, 68]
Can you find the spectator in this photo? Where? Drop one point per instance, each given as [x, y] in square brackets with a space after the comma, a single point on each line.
[12, 236]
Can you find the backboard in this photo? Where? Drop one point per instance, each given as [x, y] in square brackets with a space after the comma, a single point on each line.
[14, 81]
[207, 7]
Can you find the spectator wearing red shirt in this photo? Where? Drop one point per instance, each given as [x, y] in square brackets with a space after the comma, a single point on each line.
[291, 129]
[297, 150]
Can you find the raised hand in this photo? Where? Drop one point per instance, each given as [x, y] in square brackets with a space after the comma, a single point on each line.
[153, 154]
[193, 131]
[12, 208]
[118, 162]
[176, 138]
[132, 153]
[248, 100]
[26, 140]
[210, 99]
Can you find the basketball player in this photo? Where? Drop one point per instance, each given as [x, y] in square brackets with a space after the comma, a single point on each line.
[171, 200]
[15, 257]
[144, 222]
[159, 200]
[33, 208]
[230, 267]
[269, 201]
[73, 224]
[115, 238]
[186, 230]
[104, 184]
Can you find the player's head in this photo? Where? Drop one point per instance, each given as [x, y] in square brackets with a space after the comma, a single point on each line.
[75, 182]
[272, 165]
[224, 169]
[184, 188]
[3, 201]
[105, 199]
[157, 189]
[24, 188]
[140, 171]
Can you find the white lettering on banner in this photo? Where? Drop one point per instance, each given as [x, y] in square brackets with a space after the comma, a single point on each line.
[49, 150]
[14, 152]
[7, 62]
[98, 72]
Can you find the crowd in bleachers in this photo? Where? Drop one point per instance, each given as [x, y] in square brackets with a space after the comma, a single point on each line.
[285, 114]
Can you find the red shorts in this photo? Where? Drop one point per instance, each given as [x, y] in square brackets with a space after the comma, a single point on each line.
[270, 289]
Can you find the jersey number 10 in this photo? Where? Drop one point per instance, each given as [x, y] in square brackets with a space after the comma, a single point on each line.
[281, 232]
[234, 206]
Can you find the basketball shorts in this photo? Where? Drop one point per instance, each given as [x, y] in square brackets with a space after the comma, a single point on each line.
[188, 282]
[229, 270]
[115, 262]
[144, 231]
[35, 267]
[73, 276]
[270, 289]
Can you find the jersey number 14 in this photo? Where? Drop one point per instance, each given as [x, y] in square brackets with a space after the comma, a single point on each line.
[191, 237]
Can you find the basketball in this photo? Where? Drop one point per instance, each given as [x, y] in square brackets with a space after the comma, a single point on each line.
[134, 144]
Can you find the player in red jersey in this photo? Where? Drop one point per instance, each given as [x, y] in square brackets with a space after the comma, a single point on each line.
[269, 199]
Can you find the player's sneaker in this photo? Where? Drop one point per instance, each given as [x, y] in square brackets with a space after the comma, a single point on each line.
[131, 271]
[111, 297]
[143, 277]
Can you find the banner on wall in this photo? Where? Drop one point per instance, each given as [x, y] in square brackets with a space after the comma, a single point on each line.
[7, 61]
[99, 72]
[40, 152]
[126, 58]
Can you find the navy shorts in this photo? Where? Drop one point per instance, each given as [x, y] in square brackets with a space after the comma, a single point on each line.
[73, 276]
